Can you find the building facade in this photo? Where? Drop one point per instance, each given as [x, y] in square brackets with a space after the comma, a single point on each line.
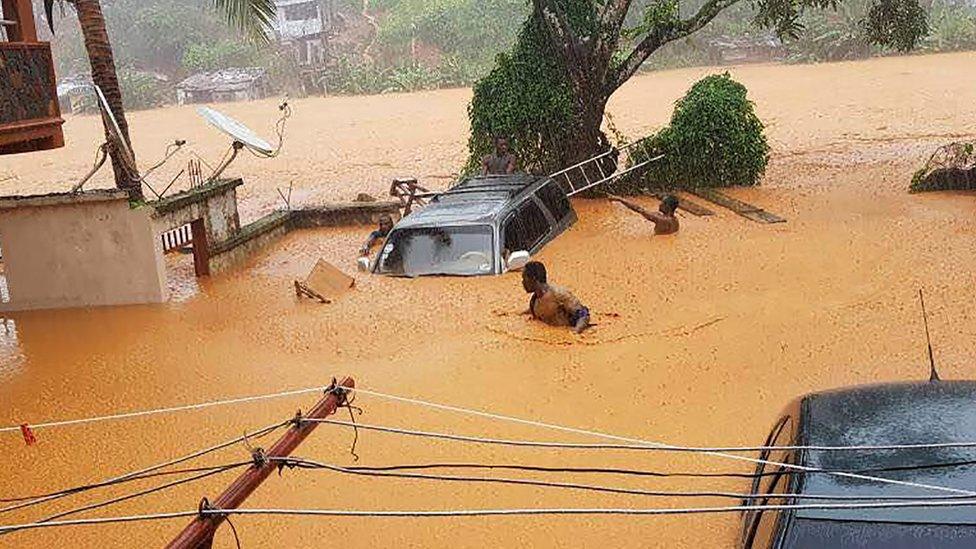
[305, 25]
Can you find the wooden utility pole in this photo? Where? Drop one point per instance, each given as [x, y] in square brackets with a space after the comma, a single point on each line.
[199, 533]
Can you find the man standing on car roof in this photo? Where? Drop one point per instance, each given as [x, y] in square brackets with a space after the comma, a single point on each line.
[386, 225]
[553, 305]
[501, 162]
[665, 222]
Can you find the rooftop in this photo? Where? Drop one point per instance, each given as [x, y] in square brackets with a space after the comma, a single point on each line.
[61, 199]
[231, 79]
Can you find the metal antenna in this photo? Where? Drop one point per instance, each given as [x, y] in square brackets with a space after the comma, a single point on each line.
[933, 373]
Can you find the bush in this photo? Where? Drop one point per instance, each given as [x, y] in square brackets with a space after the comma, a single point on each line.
[526, 97]
[951, 167]
[141, 90]
[714, 140]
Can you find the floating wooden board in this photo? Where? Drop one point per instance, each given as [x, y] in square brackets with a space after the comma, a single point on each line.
[324, 283]
[693, 208]
[744, 209]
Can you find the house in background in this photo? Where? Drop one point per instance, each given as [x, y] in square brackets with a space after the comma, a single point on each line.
[76, 94]
[305, 26]
[244, 84]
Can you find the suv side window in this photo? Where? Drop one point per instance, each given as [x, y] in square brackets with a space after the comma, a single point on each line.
[526, 227]
[555, 200]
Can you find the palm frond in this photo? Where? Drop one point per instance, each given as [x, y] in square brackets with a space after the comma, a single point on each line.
[251, 17]
[49, 12]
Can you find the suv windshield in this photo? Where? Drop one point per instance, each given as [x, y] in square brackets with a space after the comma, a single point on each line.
[438, 250]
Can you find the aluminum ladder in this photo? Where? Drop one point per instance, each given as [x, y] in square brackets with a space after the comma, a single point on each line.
[597, 170]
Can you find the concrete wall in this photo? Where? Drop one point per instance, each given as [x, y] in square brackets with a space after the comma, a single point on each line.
[265, 231]
[251, 238]
[350, 213]
[79, 250]
[215, 203]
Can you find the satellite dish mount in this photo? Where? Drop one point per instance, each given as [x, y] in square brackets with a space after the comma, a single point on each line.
[243, 137]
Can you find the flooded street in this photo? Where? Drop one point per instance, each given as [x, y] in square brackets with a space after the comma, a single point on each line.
[702, 337]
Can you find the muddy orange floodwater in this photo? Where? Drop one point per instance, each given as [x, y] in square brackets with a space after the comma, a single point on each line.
[703, 337]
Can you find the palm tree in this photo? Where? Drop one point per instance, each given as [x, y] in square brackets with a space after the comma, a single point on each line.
[251, 17]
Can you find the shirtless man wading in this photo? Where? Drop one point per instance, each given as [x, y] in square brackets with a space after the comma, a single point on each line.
[664, 219]
[553, 305]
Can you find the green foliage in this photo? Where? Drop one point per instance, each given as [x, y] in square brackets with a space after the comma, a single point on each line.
[142, 90]
[252, 18]
[153, 36]
[348, 78]
[655, 15]
[832, 35]
[525, 98]
[951, 167]
[952, 26]
[899, 24]
[714, 140]
[211, 56]
[469, 29]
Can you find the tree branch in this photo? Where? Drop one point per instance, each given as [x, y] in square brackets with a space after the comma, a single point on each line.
[662, 35]
[615, 12]
[611, 19]
[555, 18]
[564, 37]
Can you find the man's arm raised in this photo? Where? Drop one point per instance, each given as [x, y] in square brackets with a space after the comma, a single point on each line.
[650, 216]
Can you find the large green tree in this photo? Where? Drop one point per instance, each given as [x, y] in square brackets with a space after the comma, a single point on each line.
[551, 91]
[251, 17]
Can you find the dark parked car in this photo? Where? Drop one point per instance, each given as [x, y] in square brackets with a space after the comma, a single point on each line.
[483, 225]
[903, 413]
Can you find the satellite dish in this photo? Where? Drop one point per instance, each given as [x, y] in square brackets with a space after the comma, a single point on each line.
[239, 132]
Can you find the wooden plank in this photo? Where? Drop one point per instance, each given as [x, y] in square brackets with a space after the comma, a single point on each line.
[744, 209]
[693, 208]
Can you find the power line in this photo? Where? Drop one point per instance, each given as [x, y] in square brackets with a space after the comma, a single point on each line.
[384, 472]
[167, 410]
[91, 521]
[133, 478]
[642, 447]
[140, 493]
[650, 443]
[496, 512]
[658, 474]
[132, 475]
[595, 511]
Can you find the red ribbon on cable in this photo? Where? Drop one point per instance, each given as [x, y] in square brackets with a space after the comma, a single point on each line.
[28, 433]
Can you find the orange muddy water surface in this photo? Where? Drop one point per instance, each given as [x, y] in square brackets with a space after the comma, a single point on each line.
[702, 338]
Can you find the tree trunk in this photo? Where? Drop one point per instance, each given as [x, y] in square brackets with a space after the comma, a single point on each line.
[584, 139]
[104, 76]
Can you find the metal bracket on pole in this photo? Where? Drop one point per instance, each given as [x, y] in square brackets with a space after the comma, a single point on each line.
[199, 533]
[236, 148]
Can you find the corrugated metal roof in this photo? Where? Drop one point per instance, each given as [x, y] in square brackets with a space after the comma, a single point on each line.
[232, 79]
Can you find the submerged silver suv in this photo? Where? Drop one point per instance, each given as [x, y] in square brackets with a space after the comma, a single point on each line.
[483, 225]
